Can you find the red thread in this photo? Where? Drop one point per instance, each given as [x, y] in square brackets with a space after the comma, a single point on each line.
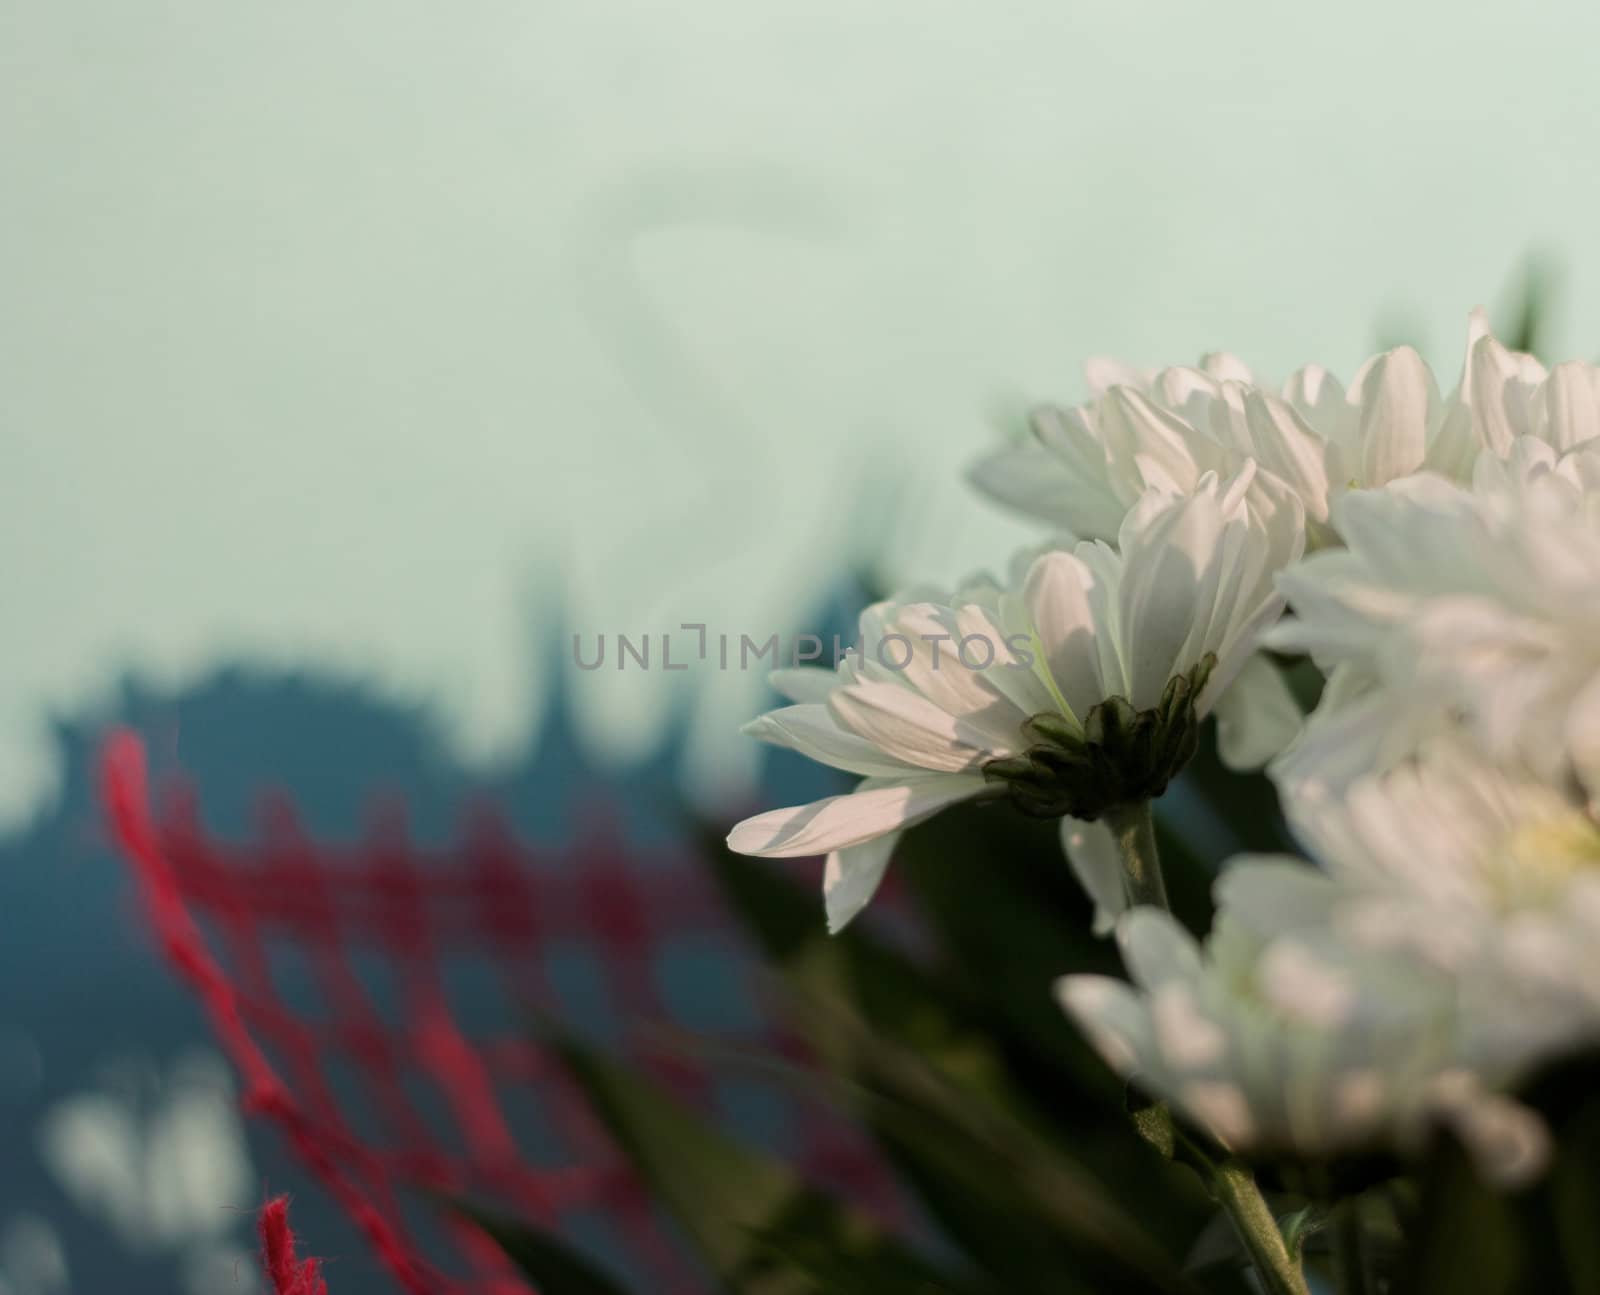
[288, 1275]
[489, 900]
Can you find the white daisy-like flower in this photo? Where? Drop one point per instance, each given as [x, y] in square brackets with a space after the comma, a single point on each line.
[1482, 873]
[1478, 607]
[1084, 466]
[1277, 1039]
[1074, 689]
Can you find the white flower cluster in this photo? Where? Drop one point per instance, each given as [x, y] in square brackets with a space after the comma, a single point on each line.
[1437, 559]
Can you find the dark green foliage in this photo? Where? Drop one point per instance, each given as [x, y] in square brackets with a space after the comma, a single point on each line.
[552, 1266]
[936, 1092]
[1037, 1169]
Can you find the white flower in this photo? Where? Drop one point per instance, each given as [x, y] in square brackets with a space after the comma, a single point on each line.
[1085, 466]
[1449, 605]
[1485, 874]
[1508, 394]
[944, 690]
[1277, 1038]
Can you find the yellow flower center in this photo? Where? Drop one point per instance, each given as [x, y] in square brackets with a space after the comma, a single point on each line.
[1538, 860]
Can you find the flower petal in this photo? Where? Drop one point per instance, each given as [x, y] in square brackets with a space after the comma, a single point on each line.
[1027, 478]
[1097, 864]
[1112, 1016]
[1572, 405]
[852, 877]
[1257, 715]
[810, 729]
[1156, 948]
[1397, 398]
[839, 822]
[1164, 554]
[1056, 593]
[912, 728]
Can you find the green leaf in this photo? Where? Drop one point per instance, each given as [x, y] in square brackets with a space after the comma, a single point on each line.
[1563, 1242]
[551, 1265]
[1574, 1194]
[1532, 313]
[805, 1241]
[1010, 918]
[759, 1228]
[1464, 1235]
[936, 1094]
[1300, 1226]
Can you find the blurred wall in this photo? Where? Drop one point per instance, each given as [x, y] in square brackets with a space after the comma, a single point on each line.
[331, 333]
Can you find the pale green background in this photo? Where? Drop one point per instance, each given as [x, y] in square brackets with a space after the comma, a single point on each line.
[329, 331]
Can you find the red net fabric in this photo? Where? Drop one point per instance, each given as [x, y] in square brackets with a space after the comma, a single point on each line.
[381, 1098]
[288, 1274]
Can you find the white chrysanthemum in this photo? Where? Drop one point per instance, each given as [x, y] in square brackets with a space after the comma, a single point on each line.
[1085, 466]
[1276, 1039]
[1487, 875]
[942, 690]
[1450, 605]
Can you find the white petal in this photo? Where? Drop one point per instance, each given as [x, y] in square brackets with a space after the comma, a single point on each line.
[1111, 1014]
[1056, 593]
[1014, 675]
[1572, 405]
[1271, 893]
[1285, 446]
[1134, 424]
[955, 676]
[1498, 395]
[1314, 391]
[1257, 715]
[1105, 564]
[1397, 399]
[1097, 863]
[1164, 554]
[1509, 1142]
[1185, 1036]
[1226, 368]
[852, 877]
[1339, 744]
[1103, 373]
[810, 729]
[1091, 505]
[839, 822]
[1156, 948]
[1027, 478]
[1305, 988]
[911, 728]
[1222, 1107]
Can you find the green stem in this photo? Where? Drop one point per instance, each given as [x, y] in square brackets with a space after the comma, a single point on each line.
[1252, 1218]
[1349, 1262]
[1235, 1188]
[1135, 832]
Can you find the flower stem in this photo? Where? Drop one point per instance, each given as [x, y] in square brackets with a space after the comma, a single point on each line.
[1349, 1262]
[1233, 1185]
[1252, 1218]
[1135, 832]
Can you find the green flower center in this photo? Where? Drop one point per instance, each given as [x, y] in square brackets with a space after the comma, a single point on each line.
[1122, 756]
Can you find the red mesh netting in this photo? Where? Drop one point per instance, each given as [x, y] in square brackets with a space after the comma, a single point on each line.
[379, 1099]
[289, 1274]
